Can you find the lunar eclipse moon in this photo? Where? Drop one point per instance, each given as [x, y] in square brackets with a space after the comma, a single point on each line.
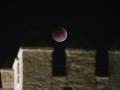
[59, 34]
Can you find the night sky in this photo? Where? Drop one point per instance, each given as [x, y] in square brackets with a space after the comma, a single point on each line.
[31, 25]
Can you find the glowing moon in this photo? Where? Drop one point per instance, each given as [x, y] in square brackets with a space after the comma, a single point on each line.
[60, 34]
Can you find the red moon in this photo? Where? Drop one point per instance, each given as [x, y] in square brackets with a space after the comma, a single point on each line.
[60, 34]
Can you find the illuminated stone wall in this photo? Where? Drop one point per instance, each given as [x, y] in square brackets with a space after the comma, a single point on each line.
[37, 71]
[80, 69]
[7, 78]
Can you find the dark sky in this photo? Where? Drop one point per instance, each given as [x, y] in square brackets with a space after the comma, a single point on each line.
[95, 22]
[31, 24]
[98, 29]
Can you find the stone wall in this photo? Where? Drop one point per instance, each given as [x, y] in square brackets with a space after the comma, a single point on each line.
[7, 78]
[38, 72]
[80, 69]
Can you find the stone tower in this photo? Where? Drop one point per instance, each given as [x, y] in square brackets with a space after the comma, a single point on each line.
[37, 71]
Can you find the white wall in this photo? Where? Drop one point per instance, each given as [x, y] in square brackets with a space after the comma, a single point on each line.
[18, 71]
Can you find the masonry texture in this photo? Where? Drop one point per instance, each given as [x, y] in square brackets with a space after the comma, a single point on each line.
[7, 79]
[37, 71]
